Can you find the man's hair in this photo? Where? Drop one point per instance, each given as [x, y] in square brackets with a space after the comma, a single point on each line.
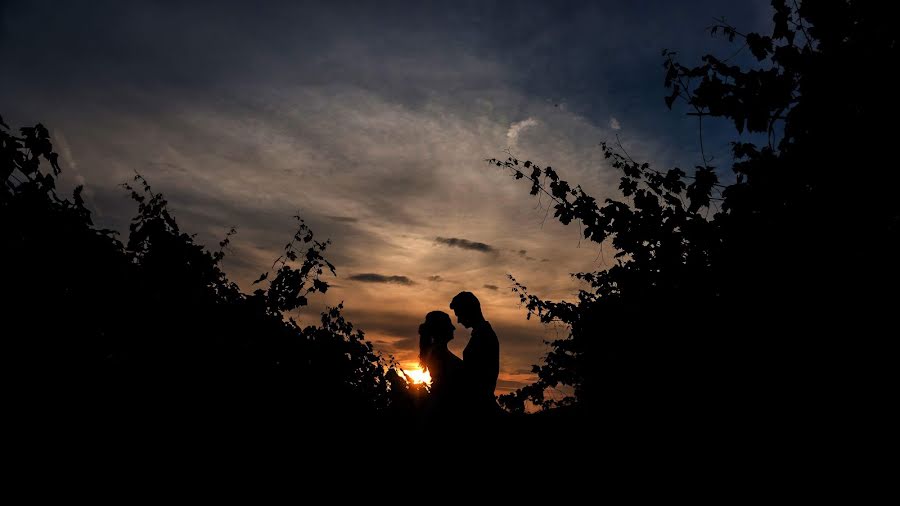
[466, 302]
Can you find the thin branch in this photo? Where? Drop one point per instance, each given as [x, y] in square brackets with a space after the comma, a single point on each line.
[739, 51]
[800, 24]
[702, 149]
[546, 214]
[619, 144]
[725, 24]
[771, 131]
[699, 112]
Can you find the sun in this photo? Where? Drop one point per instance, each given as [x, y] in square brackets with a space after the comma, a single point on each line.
[417, 375]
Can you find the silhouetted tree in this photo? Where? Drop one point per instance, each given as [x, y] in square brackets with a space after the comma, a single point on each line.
[153, 328]
[769, 306]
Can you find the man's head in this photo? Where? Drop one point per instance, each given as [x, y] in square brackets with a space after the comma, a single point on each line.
[467, 309]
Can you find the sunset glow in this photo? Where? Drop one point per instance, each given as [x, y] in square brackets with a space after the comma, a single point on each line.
[374, 133]
[417, 375]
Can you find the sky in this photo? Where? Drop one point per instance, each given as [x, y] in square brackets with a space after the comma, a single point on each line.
[372, 120]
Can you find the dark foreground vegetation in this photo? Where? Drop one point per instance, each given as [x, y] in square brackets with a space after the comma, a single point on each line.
[752, 310]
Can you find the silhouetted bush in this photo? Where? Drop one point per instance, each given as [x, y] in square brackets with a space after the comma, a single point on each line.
[153, 329]
[755, 300]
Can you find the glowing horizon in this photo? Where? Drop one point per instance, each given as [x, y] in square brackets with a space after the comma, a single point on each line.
[417, 375]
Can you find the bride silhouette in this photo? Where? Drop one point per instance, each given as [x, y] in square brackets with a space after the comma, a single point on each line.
[447, 400]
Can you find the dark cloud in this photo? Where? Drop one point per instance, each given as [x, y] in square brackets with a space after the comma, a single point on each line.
[405, 345]
[344, 219]
[371, 277]
[510, 384]
[455, 242]
[492, 287]
[436, 279]
[376, 320]
[523, 254]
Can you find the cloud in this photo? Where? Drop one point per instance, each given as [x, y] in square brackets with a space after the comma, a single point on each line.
[69, 162]
[455, 242]
[344, 219]
[370, 277]
[614, 123]
[509, 384]
[524, 254]
[512, 135]
[492, 287]
[436, 279]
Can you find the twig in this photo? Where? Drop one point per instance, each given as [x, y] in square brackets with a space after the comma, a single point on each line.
[800, 24]
[702, 149]
[739, 51]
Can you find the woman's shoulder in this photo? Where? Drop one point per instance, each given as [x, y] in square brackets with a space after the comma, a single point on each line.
[444, 359]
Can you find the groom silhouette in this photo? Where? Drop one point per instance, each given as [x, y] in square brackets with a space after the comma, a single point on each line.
[481, 357]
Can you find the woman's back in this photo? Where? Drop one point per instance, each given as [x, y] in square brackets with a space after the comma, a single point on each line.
[448, 382]
[446, 369]
[446, 401]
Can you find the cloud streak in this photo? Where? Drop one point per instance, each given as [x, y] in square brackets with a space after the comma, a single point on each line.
[512, 135]
[455, 242]
[343, 219]
[371, 277]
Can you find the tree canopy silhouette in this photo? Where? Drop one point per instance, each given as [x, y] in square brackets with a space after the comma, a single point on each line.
[771, 301]
[152, 326]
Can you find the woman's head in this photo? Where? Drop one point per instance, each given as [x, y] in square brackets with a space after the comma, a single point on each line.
[437, 329]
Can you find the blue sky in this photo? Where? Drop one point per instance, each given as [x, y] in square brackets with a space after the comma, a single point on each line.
[373, 120]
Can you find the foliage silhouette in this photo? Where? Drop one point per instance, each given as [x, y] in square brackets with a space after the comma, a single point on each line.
[153, 327]
[767, 306]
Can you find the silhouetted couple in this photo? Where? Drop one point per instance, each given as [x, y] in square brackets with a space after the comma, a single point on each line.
[460, 388]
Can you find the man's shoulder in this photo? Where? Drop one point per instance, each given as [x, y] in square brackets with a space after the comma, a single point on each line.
[485, 330]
